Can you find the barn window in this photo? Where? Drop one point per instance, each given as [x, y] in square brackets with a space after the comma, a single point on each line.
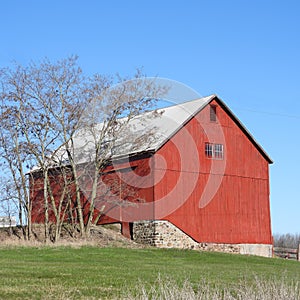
[214, 151]
[218, 151]
[213, 113]
[209, 150]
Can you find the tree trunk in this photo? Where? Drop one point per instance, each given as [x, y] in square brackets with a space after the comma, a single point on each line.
[46, 207]
[78, 196]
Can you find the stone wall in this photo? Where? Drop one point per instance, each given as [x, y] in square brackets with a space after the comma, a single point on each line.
[164, 234]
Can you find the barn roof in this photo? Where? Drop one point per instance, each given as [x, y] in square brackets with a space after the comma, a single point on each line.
[172, 118]
[158, 130]
[244, 129]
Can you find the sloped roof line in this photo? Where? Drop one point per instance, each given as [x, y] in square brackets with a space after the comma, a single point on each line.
[165, 126]
[191, 111]
[192, 108]
[244, 129]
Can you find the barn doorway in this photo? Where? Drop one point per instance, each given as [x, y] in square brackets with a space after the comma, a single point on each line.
[127, 230]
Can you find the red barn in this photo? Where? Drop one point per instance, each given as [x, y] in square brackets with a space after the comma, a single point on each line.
[203, 182]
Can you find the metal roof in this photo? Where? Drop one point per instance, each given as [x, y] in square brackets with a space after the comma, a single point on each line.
[172, 118]
[157, 130]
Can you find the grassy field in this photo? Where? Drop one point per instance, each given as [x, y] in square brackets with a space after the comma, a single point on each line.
[106, 273]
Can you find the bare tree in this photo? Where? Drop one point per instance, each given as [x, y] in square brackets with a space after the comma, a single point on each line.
[107, 127]
[8, 202]
[36, 100]
[46, 109]
[14, 159]
[287, 240]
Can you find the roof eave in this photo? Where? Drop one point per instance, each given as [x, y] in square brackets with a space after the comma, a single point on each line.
[210, 98]
[243, 128]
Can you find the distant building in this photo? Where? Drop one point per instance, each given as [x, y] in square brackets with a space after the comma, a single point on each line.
[7, 221]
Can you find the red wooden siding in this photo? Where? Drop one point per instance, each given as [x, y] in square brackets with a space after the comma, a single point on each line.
[120, 179]
[239, 211]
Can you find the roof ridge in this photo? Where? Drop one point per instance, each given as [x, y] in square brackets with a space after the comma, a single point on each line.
[189, 101]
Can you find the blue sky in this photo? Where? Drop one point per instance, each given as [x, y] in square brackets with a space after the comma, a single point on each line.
[247, 52]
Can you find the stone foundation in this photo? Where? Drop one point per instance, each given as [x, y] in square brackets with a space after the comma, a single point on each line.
[163, 234]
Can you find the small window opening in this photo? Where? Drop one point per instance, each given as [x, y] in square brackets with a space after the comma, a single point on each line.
[213, 113]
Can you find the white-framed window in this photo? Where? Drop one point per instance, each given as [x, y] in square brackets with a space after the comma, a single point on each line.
[209, 150]
[214, 150]
[218, 151]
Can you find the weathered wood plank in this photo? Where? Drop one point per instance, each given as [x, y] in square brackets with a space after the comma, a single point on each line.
[287, 253]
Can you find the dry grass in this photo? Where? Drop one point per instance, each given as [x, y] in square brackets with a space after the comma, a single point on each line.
[101, 236]
[166, 289]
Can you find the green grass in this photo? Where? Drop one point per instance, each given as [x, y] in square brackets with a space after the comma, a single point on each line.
[99, 273]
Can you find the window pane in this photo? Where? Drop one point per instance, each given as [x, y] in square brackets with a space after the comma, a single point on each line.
[218, 151]
[208, 150]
